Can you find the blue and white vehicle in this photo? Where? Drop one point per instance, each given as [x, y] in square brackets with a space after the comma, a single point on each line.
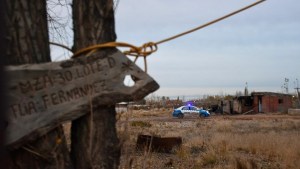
[180, 112]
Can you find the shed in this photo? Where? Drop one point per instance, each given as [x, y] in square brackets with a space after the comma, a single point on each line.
[271, 102]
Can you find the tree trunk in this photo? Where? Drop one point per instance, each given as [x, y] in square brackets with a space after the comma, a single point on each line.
[94, 138]
[27, 42]
[28, 33]
[3, 92]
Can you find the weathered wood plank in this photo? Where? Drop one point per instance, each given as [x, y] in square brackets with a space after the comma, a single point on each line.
[42, 96]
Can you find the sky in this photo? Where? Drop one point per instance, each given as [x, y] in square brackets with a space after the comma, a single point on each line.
[260, 46]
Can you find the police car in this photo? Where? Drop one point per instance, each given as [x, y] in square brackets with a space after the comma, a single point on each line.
[180, 112]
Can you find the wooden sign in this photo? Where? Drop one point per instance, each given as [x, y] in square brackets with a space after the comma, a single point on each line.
[41, 96]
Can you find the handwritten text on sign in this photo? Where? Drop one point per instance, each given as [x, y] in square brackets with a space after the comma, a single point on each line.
[44, 95]
[51, 80]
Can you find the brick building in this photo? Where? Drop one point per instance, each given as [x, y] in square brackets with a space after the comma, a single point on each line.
[259, 102]
[271, 102]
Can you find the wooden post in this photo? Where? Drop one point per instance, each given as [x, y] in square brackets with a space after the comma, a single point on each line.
[42, 96]
[3, 92]
[94, 139]
[27, 41]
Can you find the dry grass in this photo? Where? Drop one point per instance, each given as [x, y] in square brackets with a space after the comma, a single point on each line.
[145, 113]
[217, 142]
[230, 142]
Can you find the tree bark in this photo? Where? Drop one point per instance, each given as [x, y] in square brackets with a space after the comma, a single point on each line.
[3, 92]
[94, 138]
[28, 33]
[27, 42]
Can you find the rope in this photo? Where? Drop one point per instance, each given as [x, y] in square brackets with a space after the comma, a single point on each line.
[143, 51]
[209, 23]
[150, 47]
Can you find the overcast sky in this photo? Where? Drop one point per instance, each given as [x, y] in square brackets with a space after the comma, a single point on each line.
[260, 46]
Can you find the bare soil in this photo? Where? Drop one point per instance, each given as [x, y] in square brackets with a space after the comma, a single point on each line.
[219, 141]
[256, 141]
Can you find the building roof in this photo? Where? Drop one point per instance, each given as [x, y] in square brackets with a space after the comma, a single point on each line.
[270, 93]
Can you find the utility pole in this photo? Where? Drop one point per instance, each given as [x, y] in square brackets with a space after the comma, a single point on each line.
[297, 90]
[286, 85]
[246, 93]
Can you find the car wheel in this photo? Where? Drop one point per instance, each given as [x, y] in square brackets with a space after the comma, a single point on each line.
[202, 115]
[180, 116]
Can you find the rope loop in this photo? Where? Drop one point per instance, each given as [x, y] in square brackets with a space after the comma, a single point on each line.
[145, 50]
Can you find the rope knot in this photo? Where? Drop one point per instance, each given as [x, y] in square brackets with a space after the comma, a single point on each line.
[145, 50]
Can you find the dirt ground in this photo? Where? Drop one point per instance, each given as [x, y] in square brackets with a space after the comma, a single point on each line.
[219, 141]
[257, 141]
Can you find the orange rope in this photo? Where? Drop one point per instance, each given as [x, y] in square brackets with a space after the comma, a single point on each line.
[209, 23]
[150, 47]
[144, 50]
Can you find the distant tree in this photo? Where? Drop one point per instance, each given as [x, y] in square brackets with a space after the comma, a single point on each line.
[228, 97]
[141, 102]
[238, 93]
[163, 100]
